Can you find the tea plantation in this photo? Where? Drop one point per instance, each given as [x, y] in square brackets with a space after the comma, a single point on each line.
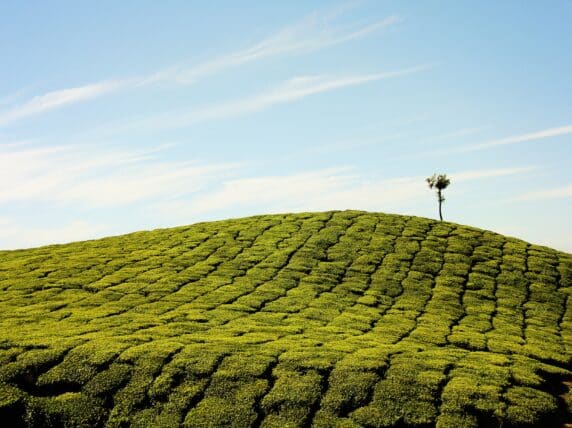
[336, 319]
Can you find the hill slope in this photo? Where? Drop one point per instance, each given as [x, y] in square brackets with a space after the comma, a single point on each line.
[328, 319]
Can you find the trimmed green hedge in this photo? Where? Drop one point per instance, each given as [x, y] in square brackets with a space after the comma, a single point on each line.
[336, 319]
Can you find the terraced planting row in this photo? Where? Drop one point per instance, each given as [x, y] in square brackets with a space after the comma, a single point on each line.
[337, 319]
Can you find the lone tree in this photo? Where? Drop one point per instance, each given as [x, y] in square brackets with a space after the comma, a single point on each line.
[439, 182]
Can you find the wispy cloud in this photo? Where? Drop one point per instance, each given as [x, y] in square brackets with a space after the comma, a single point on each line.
[289, 91]
[274, 192]
[516, 139]
[563, 192]
[57, 99]
[453, 134]
[77, 180]
[161, 181]
[174, 192]
[14, 235]
[479, 174]
[325, 189]
[14, 97]
[311, 34]
[387, 140]
[94, 177]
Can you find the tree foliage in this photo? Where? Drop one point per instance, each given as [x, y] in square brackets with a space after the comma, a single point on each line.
[440, 182]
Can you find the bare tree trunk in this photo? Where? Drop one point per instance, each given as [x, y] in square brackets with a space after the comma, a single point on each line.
[440, 202]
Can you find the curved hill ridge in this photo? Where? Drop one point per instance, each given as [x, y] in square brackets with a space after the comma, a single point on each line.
[335, 319]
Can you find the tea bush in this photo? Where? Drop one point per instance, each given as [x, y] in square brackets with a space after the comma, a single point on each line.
[336, 319]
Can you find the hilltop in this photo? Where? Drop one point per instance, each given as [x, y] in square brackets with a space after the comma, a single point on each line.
[342, 319]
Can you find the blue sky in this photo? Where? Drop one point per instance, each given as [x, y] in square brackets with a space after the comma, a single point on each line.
[121, 116]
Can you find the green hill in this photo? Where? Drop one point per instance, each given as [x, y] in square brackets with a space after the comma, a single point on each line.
[336, 319]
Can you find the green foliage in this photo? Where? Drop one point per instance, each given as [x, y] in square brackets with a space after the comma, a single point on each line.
[337, 319]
